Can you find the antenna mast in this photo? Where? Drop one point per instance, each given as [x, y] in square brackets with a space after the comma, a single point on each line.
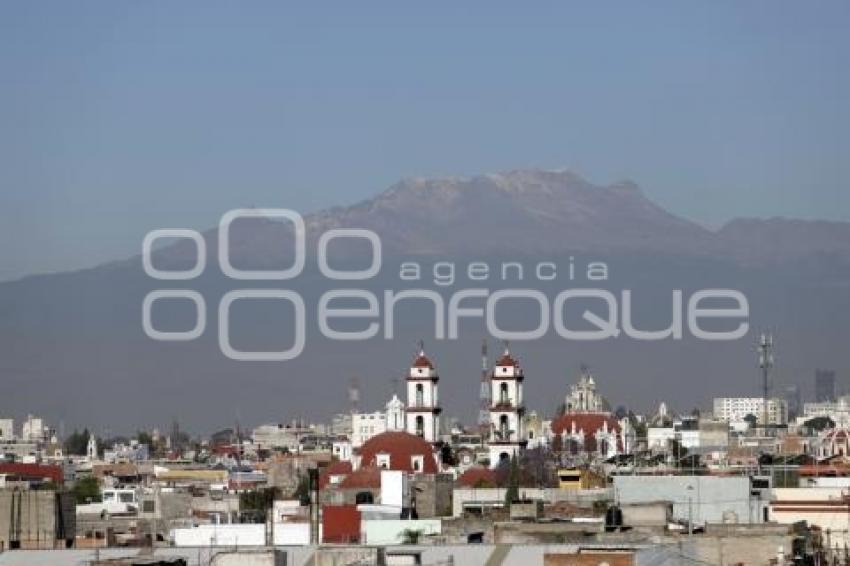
[765, 352]
[484, 398]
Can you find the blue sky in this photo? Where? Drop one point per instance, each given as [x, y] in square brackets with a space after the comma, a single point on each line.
[120, 117]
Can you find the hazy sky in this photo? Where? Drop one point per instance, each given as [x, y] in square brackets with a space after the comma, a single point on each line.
[120, 117]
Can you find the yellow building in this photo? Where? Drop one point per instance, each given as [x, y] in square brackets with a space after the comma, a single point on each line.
[579, 478]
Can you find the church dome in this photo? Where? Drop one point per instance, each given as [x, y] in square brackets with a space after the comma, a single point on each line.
[398, 451]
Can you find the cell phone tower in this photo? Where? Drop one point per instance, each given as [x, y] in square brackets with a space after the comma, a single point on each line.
[484, 400]
[765, 352]
[354, 395]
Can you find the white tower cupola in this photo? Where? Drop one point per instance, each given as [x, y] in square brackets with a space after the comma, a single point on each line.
[423, 404]
[395, 414]
[91, 448]
[507, 409]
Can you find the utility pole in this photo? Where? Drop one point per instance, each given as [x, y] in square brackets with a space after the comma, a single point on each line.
[484, 395]
[690, 516]
[315, 505]
[690, 489]
[765, 353]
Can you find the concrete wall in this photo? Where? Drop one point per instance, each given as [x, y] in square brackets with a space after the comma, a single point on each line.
[647, 514]
[496, 496]
[546, 533]
[250, 558]
[392, 531]
[221, 535]
[30, 518]
[292, 534]
[704, 498]
[433, 495]
[669, 552]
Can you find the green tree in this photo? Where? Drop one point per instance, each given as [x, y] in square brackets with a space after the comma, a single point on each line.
[86, 490]
[411, 536]
[257, 502]
[77, 443]
[819, 423]
[302, 492]
[144, 437]
[512, 493]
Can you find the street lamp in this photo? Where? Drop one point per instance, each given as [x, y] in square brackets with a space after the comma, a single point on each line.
[690, 488]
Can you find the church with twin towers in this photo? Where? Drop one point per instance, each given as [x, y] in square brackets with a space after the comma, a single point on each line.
[506, 436]
[584, 424]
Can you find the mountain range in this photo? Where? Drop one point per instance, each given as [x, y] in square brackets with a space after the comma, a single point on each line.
[532, 213]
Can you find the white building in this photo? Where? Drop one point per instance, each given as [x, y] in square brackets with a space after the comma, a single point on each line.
[423, 402]
[281, 436]
[838, 411]
[823, 507]
[366, 425]
[698, 434]
[507, 409]
[833, 442]
[658, 437]
[34, 430]
[7, 430]
[735, 409]
[341, 449]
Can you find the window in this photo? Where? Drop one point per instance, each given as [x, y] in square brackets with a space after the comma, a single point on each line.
[416, 463]
[420, 395]
[420, 426]
[383, 461]
[503, 393]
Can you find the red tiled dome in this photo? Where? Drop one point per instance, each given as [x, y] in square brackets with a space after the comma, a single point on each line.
[422, 361]
[478, 477]
[507, 360]
[401, 447]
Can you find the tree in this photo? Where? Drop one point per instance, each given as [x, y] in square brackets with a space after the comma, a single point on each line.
[257, 502]
[86, 490]
[447, 455]
[144, 437]
[751, 420]
[302, 491]
[536, 468]
[411, 536]
[819, 423]
[77, 443]
[512, 493]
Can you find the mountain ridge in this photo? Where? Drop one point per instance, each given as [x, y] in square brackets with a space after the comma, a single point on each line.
[529, 212]
[446, 216]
